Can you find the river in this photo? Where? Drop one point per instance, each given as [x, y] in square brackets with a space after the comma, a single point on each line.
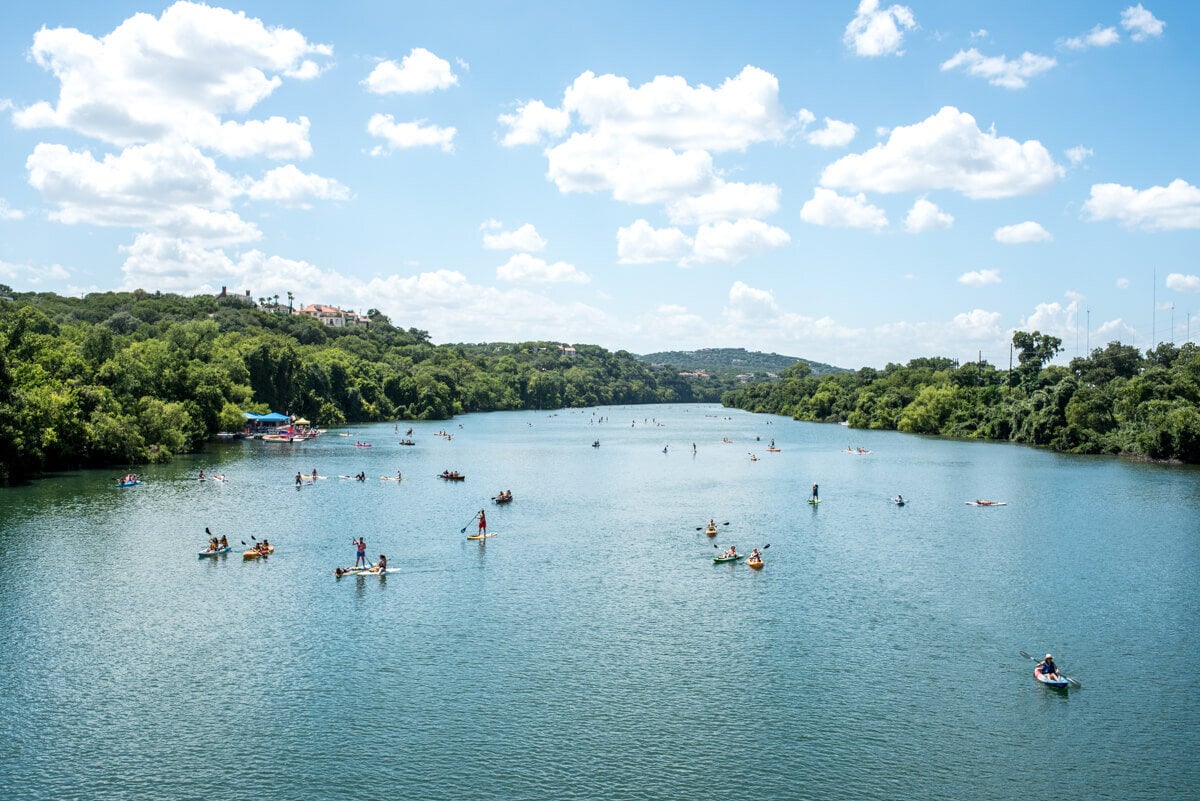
[592, 649]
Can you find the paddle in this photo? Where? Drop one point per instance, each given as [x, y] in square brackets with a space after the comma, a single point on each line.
[701, 528]
[1069, 680]
[474, 517]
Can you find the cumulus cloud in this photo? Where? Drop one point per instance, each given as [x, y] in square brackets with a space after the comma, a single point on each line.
[406, 135]
[1021, 233]
[729, 242]
[1055, 318]
[946, 151]
[524, 238]
[153, 78]
[1000, 70]
[169, 188]
[829, 208]
[878, 32]
[835, 134]
[926, 216]
[1159, 208]
[290, 186]
[980, 278]
[726, 201]
[1141, 24]
[1099, 36]
[1078, 154]
[977, 324]
[749, 303]
[1122, 283]
[524, 268]
[534, 122]
[7, 212]
[1183, 283]
[419, 72]
[641, 243]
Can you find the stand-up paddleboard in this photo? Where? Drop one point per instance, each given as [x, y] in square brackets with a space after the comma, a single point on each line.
[487, 536]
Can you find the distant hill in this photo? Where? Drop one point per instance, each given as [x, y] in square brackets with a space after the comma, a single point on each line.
[732, 361]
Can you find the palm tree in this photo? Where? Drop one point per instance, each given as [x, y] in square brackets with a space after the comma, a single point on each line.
[276, 303]
[289, 303]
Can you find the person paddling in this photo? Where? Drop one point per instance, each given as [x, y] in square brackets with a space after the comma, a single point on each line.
[360, 557]
[1048, 669]
[299, 479]
[815, 495]
[482, 522]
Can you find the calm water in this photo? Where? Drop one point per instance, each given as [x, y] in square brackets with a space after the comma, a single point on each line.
[592, 650]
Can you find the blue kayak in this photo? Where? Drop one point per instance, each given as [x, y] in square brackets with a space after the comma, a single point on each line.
[217, 552]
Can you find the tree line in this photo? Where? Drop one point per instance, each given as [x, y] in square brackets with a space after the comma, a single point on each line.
[136, 377]
[1115, 400]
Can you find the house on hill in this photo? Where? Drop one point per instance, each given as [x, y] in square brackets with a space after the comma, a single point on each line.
[332, 316]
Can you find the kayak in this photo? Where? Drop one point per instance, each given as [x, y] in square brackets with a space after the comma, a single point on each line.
[254, 553]
[711, 531]
[225, 549]
[133, 483]
[1057, 684]
[755, 563]
[985, 503]
[482, 536]
[899, 501]
[734, 558]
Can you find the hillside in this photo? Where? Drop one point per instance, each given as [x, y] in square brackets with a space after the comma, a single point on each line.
[732, 361]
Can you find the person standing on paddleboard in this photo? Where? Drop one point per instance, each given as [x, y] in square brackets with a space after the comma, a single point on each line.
[482, 523]
[815, 495]
[360, 557]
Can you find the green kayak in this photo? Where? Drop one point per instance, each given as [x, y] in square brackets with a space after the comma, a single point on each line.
[734, 558]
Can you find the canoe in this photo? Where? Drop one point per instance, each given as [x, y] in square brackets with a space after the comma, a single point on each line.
[452, 478]
[500, 501]
[720, 559]
[1057, 684]
[711, 531]
[217, 552]
[755, 563]
[254, 553]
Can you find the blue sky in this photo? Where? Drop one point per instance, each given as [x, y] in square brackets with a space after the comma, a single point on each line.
[851, 183]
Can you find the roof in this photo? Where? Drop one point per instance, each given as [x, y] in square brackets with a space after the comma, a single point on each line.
[270, 417]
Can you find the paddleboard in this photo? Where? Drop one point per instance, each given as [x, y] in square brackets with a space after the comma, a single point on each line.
[361, 572]
[390, 478]
[489, 535]
[989, 503]
[814, 501]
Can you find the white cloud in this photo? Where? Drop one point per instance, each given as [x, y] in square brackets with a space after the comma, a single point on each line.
[1183, 283]
[1021, 233]
[7, 212]
[926, 216]
[835, 134]
[524, 268]
[980, 278]
[27, 274]
[1159, 208]
[170, 188]
[977, 324]
[746, 302]
[1078, 154]
[876, 32]
[828, 208]
[731, 242]
[999, 70]
[1122, 283]
[405, 135]
[1054, 318]
[524, 238]
[725, 202]
[151, 78]
[641, 243]
[1140, 23]
[290, 186]
[1099, 36]
[982, 33]
[420, 71]
[1115, 331]
[946, 151]
[534, 122]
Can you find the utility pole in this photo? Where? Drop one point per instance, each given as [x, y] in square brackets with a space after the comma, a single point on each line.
[1172, 323]
[1153, 307]
[1089, 330]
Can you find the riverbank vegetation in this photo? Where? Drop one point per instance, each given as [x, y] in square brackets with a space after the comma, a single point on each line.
[132, 377]
[1115, 400]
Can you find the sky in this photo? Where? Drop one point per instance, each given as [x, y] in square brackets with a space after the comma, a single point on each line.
[854, 184]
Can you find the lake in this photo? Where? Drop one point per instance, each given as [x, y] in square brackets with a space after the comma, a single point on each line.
[592, 649]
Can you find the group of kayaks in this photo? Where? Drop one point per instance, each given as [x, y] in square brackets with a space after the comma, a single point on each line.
[259, 551]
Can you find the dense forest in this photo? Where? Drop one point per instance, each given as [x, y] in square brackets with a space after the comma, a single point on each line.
[132, 377]
[1116, 400]
[731, 362]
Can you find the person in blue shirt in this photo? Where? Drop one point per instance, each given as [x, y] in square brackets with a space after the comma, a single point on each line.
[1048, 669]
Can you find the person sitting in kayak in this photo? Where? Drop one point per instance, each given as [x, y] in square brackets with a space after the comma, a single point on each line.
[201, 474]
[1048, 669]
[224, 542]
[755, 555]
[731, 552]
